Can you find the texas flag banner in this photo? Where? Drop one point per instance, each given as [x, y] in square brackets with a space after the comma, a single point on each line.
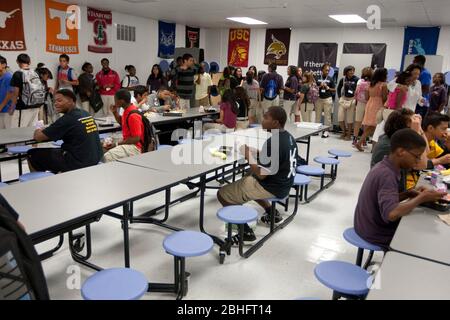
[238, 47]
[62, 32]
[12, 37]
[100, 20]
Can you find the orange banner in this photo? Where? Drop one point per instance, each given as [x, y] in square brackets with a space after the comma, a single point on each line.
[62, 35]
[11, 26]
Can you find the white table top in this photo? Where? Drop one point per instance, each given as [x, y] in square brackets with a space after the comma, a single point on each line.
[296, 132]
[157, 118]
[424, 235]
[16, 135]
[403, 277]
[49, 202]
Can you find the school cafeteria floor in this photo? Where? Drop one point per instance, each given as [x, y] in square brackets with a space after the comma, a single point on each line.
[282, 269]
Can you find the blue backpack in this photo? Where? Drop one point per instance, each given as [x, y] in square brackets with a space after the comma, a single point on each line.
[271, 91]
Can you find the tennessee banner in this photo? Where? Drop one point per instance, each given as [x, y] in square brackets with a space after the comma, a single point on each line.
[100, 20]
[62, 34]
[12, 37]
[238, 47]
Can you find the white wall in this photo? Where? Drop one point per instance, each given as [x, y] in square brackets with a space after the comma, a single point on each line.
[142, 53]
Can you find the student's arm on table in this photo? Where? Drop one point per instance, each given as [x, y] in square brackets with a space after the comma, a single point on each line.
[255, 168]
[39, 136]
[422, 195]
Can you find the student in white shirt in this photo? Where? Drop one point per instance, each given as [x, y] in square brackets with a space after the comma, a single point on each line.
[203, 83]
[130, 80]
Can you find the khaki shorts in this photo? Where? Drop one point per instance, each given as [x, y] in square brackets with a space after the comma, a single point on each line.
[243, 191]
[202, 102]
[255, 110]
[360, 110]
[346, 115]
[120, 152]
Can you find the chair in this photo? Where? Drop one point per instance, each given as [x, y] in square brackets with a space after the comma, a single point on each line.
[339, 153]
[326, 161]
[181, 245]
[115, 284]
[345, 279]
[301, 183]
[312, 171]
[34, 176]
[353, 238]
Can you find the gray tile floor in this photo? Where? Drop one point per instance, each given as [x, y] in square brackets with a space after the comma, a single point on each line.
[282, 269]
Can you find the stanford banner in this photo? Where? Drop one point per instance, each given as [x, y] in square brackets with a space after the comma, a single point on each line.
[100, 39]
[277, 46]
[192, 37]
[312, 56]
[238, 47]
[378, 50]
[166, 48]
[12, 37]
[62, 37]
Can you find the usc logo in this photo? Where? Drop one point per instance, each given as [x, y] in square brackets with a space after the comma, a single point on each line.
[240, 34]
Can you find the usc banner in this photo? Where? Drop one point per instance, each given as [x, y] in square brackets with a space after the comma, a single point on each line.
[11, 26]
[62, 28]
[100, 21]
[238, 47]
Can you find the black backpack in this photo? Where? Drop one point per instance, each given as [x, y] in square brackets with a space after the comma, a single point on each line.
[150, 142]
[21, 274]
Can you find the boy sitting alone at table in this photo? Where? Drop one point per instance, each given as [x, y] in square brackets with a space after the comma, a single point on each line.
[380, 205]
[272, 171]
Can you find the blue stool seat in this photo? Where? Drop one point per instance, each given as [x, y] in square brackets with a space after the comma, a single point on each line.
[344, 277]
[2, 185]
[19, 149]
[339, 153]
[34, 176]
[184, 141]
[326, 161]
[58, 143]
[188, 244]
[115, 284]
[308, 299]
[254, 125]
[237, 214]
[103, 136]
[310, 171]
[301, 180]
[164, 146]
[352, 237]
[276, 199]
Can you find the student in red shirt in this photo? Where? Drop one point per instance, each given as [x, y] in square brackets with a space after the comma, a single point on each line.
[108, 83]
[132, 129]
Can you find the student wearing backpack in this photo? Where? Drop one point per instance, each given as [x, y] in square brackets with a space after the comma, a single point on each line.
[130, 80]
[5, 94]
[271, 85]
[28, 94]
[108, 82]
[66, 77]
[361, 100]
[132, 129]
[290, 92]
[346, 92]
[309, 94]
[327, 89]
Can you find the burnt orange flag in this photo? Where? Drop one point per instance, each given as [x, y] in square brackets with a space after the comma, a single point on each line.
[11, 26]
[62, 33]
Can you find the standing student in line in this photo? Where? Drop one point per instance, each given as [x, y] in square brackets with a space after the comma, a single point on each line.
[185, 81]
[251, 87]
[305, 104]
[5, 94]
[108, 82]
[227, 81]
[86, 86]
[238, 76]
[77, 129]
[397, 99]
[346, 93]
[290, 92]
[49, 114]
[255, 72]
[438, 93]
[130, 80]
[425, 80]
[272, 171]
[271, 85]
[377, 96]
[132, 129]
[156, 79]
[243, 102]
[327, 89]
[203, 83]
[361, 100]
[380, 205]
[28, 94]
[66, 78]
[229, 110]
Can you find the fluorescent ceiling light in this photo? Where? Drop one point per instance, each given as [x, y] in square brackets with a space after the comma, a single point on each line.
[246, 20]
[347, 18]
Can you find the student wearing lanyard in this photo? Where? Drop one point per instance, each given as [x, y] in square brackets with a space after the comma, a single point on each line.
[290, 92]
[324, 104]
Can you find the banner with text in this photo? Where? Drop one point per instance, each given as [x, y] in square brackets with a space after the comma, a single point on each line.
[62, 35]
[238, 47]
[192, 37]
[312, 56]
[100, 40]
[277, 46]
[166, 48]
[12, 37]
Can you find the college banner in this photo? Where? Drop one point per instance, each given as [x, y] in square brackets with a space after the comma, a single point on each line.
[420, 40]
[12, 37]
[192, 37]
[166, 48]
[312, 56]
[61, 37]
[277, 46]
[377, 49]
[238, 47]
[100, 40]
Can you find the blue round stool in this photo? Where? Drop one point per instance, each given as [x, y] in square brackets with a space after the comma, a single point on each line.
[353, 238]
[311, 171]
[345, 279]
[339, 153]
[255, 125]
[103, 136]
[185, 141]
[237, 215]
[327, 161]
[34, 176]
[181, 245]
[3, 185]
[164, 146]
[115, 284]
[19, 149]
[58, 143]
[301, 183]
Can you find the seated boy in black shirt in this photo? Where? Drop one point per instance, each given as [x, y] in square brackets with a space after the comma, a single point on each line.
[272, 170]
[77, 129]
